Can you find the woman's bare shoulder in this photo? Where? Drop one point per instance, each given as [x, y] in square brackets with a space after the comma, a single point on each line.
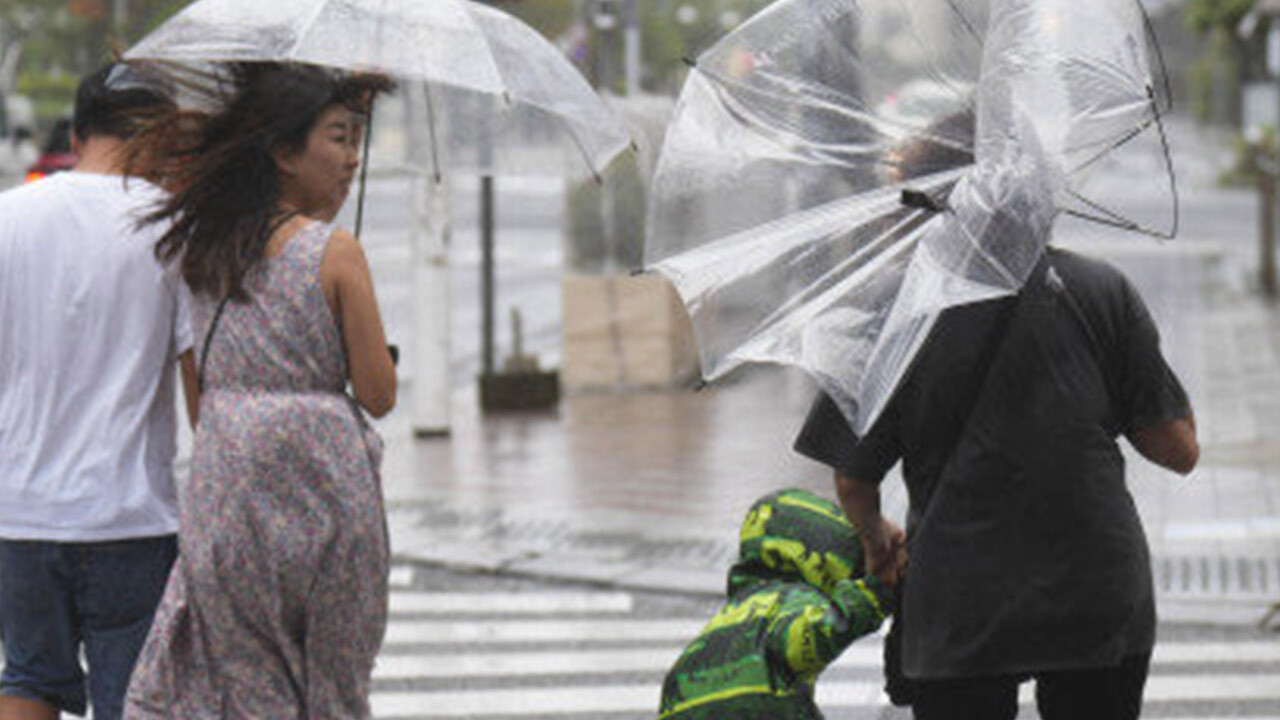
[343, 251]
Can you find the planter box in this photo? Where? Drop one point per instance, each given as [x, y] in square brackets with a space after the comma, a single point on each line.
[522, 390]
[623, 332]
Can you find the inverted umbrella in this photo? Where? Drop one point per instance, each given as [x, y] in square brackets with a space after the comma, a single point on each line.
[839, 172]
[501, 98]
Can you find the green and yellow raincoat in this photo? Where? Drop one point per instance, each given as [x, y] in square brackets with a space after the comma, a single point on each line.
[797, 599]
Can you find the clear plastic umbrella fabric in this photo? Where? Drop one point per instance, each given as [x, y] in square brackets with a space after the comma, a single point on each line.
[778, 207]
[501, 98]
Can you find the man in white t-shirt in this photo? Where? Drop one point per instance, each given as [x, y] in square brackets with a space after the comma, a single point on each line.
[92, 329]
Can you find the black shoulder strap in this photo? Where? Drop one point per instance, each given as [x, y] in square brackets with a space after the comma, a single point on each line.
[1096, 348]
[208, 340]
[272, 227]
[1001, 340]
[901, 689]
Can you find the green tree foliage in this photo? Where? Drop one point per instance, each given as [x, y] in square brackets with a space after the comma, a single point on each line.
[1204, 16]
[549, 17]
[58, 41]
[1228, 59]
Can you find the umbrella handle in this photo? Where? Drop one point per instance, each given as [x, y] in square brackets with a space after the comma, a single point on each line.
[364, 168]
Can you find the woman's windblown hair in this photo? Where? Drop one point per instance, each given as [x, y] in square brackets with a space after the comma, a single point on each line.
[213, 152]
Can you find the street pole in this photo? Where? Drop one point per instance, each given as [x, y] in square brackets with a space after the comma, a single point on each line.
[1267, 222]
[1267, 254]
[631, 43]
[429, 244]
[486, 274]
[120, 16]
[431, 378]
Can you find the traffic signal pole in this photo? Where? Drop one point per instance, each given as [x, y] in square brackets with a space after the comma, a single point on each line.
[631, 45]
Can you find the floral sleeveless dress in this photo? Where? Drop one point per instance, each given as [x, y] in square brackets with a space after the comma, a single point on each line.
[278, 602]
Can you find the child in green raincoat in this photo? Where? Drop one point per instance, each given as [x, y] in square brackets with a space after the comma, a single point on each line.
[797, 598]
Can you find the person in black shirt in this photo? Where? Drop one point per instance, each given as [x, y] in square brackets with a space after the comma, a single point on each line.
[1028, 558]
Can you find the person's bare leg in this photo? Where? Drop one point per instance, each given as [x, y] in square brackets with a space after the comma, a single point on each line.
[12, 708]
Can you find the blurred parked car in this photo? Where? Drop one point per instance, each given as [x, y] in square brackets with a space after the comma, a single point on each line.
[56, 154]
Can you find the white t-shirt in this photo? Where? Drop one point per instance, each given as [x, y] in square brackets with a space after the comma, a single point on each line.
[91, 326]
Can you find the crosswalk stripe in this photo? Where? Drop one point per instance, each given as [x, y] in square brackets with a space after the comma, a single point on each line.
[642, 698]
[507, 603]
[1263, 686]
[445, 632]
[608, 641]
[526, 701]
[1191, 653]
[399, 667]
[401, 576]
[658, 659]
[681, 631]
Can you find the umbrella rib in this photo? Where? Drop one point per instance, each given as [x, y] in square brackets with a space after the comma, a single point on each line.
[724, 85]
[1155, 42]
[1085, 164]
[987, 256]
[866, 256]
[1173, 174]
[431, 129]
[586, 157]
[938, 76]
[964, 21]
[475, 9]
[302, 32]
[1114, 219]
[510, 103]
[364, 168]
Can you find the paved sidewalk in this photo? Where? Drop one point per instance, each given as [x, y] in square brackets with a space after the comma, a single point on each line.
[647, 490]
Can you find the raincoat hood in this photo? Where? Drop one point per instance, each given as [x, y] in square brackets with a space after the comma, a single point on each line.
[795, 535]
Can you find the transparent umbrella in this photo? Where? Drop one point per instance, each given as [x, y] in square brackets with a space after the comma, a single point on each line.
[501, 98]
[839, 172]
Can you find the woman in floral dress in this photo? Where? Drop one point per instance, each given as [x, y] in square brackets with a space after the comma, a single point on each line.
[278, 603]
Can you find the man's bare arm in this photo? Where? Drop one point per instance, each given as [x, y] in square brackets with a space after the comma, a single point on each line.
[1171, 444]
[882, 542]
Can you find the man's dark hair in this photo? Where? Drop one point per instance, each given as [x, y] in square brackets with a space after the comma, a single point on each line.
[102, 110]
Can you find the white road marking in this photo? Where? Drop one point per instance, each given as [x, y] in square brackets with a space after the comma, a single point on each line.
[642, 698]
[864, 656]
[442, 632]
[522, 664]
[545, 701]
[401, 577]
[511, 603]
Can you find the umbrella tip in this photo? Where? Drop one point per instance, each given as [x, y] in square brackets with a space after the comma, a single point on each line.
[701, 385]
[689, 61]
[637, 272]
[635, 147]
[922, 201]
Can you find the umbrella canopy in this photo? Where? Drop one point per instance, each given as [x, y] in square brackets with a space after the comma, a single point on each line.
[502, 99]
[839, 172]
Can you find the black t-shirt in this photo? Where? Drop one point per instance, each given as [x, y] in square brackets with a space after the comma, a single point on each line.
[1026, 549]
